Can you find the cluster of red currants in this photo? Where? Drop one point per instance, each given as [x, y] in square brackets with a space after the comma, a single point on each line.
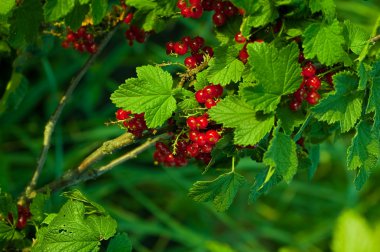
[308, 89]
[23, 214]
[164, 156]
[223, 9]
[135, 123]
[197, 49]
[81, 41]
[209, 95]
[135, 33]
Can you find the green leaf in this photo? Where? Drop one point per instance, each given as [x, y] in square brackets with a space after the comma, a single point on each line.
[7, 205]
[39, 207]
[226, 33]
[250, 127]
[364, 76]
[71, 231]
[282, 156]
[143, 4]
[225, 67]
[361, 178]
[91, 206]
[201, 81]
[220, 191]
[264, 13]
[356, 36]
[289, 119]
[344, 105]
[15, 92]
[150, 93]
[264, 181]
[188, 104]
[75, 18]
[374, 96]
[25, 23]
[56, 9]
[99, 10]
[6, 6]
[277, 71]
[352, 234]
[250, 6]
[8, 233]
[324, 41]
[326, 6]
[120, 242]
[365, 148]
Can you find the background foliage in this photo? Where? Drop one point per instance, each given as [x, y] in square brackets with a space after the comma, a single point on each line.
[150, 202]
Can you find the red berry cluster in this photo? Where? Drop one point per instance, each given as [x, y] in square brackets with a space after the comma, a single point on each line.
[134, 122]
[135, 33]
[81, 41]
[243, 53]
[196, 46]
[195, 10]
[23, 214]
[309, 88]
[166, 157]
[128, 18]
[209, 95]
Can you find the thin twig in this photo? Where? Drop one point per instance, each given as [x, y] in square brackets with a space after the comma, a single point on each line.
[67, 181]
[49, 128]
[375, 39]
[190, 73]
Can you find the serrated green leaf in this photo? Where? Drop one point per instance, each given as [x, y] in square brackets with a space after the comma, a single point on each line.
[99, 10]
[356, 36]
[282, 156]
[289, 119]
[324, 41]
[352, 234]
[374, 96]
[150, 93]
[277, 71]
[188, 104]
[25, 23]
[264, 13]
[326, 6]
[344, 105]
[249, 126]
[8, 233]
[225, 67]
[365, 148]
[56, 9]
[71, 231]
[6, 6]
[120, 242]
[201, 80]
[220, 191]
[75, 18]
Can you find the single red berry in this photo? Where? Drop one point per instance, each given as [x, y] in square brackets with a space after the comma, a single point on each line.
[313, 97]
[180, 48]
[210, 90]
[170, 47]
[241, 11]
[191, 122]
[300, 94]
[128, 18]
[186, 40]
[181, 4]
[193, 135]
[65, 44]
[196, 11]
[196, 44]
[218, 6]
[239, 38]
[192, 150]
[243, 55]
[122, 114]
[198, 58]
[218, 90]
[202, 122]
[191, 62]
[206, 148]
[229, 9]
[81, 32]
[89, 38]
[313, 83]
[195, 2]
[159, 156]
[207, 5]
[186, 12]
[308, 70]
[210, 103]
[295, 105]
[70, 36]
[219, 19]
[163, 148]
[91, 48]
[130, 34]
[212, 137]
[170, 158]
[201, 96]
[208, 50]
[201, 139]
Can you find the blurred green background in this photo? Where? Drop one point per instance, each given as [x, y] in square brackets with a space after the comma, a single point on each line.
[150, 202]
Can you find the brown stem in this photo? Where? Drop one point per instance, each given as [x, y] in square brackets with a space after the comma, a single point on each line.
[71, 178]
[190, 73]
[50, 126]
[375, 39]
